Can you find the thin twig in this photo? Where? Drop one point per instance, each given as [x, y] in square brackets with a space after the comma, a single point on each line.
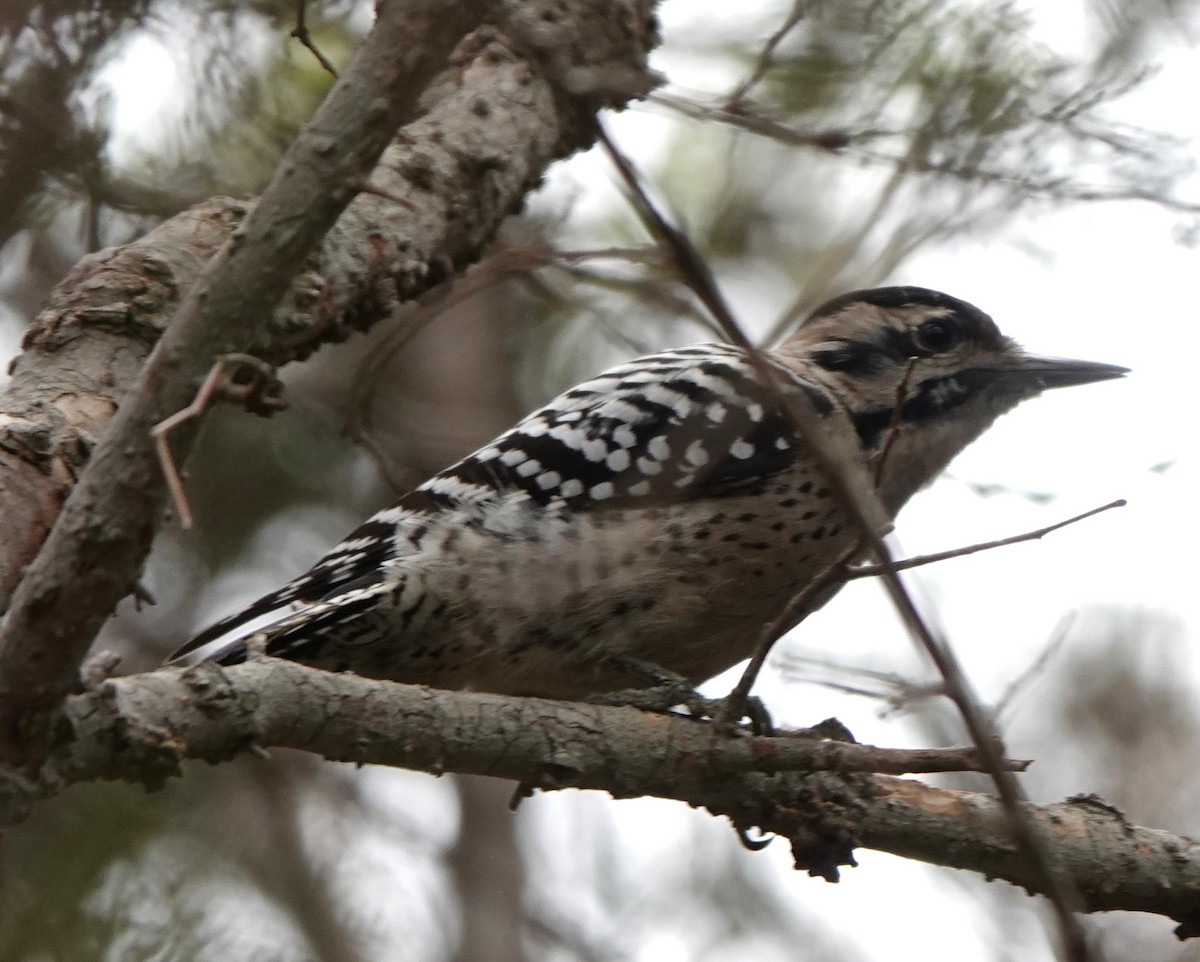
[893, 430]
[300, 32]
[832, 139]
[212, 390]
[840, 572]
[500, 266]
[835, 140]
[1057, 638]
[765, 55]
[797, 608]
[699, 277]
[895, 691]
[873, 571]
[164, 427]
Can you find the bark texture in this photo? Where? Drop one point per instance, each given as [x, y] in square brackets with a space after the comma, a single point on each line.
[819, 794]
[516, 96]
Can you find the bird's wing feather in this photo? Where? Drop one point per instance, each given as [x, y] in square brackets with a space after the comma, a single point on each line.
[695, 422]
[352, 563]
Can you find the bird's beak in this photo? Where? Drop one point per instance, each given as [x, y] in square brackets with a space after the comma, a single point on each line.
[1043, 373]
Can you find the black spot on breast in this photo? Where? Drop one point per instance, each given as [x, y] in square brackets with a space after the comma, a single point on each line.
[544, 636]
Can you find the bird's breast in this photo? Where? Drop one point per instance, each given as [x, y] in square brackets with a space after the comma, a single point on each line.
[544, 606]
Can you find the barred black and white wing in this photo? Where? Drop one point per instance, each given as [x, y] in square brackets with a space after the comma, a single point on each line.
[689, 423]
[694, 422]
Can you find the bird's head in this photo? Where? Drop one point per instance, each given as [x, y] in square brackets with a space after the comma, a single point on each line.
[926, 368]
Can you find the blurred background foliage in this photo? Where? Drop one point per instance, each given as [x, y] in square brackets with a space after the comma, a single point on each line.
[810, 148]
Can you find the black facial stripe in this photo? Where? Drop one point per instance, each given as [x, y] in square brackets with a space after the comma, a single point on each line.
[932, 398]
[892, 350]
[856, 358]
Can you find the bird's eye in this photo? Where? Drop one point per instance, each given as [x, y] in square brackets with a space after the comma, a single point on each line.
[938, 335]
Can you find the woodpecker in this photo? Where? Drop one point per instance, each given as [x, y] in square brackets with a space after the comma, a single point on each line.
[661, 513]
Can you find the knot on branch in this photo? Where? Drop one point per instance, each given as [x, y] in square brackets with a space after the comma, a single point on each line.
[593, 55]
[17, 795]
[823, 822]
[141, 751]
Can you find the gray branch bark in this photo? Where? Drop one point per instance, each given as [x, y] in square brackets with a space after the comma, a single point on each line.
[515, 98]
[493, 123]
[93, 553]
[816, 793]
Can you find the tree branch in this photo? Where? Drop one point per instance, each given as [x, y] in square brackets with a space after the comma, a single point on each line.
[499, 116]
[142, 727]
[95, 549]
[538, 90]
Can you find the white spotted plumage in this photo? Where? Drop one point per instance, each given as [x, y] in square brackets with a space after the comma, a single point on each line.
[663, 509]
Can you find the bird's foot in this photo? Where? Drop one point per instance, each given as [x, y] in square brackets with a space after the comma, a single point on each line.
[666, 691]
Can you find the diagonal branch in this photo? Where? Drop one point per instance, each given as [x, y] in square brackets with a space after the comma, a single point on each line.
[442, 189]
[96, 547]
[856, 498]
[485, 137]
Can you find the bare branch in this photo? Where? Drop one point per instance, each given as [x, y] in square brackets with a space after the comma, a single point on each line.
[893, 431]
[97, 545]
[1057, 638]
[802, 604]
[872, 571]
[436, 198]
[264, 391]
[763, 63]
[300, 33]
[142, 728]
